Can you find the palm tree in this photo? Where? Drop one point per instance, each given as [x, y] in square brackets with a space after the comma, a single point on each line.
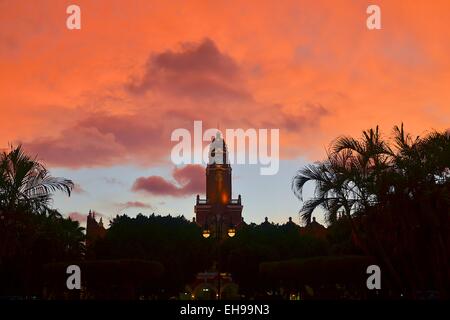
[31, 233]
[333, 189]
[349, 180]
[25, 184]
[389, 194]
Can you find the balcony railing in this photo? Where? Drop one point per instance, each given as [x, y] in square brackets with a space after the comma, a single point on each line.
[235, 201]
[202, 201]
[232, 201]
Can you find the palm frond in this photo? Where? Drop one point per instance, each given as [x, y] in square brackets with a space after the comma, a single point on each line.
[308, 208]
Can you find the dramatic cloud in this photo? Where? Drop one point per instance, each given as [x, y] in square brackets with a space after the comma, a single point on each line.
[191, 177]
[307, 116]
[110, 95]
[101, 140]
[189, 180]
[129, 126]
[77, 147]
[197, 71]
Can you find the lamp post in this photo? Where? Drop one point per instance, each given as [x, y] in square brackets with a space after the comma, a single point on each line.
[218, 233]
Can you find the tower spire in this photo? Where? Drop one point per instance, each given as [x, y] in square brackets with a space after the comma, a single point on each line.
[218, 153]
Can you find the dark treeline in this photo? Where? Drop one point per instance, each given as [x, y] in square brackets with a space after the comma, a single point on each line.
[386, 201]
[177, 243]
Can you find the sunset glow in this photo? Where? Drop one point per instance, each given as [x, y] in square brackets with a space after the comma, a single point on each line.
[102, 101]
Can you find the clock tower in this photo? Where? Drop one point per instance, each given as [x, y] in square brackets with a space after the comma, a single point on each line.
[219, 204]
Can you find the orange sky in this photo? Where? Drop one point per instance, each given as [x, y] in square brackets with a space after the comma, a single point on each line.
[113, 91]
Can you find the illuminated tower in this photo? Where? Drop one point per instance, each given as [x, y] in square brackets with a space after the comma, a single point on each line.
[219, 204]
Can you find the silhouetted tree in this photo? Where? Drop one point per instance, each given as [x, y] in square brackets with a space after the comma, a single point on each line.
[173, 241]
[31, 233]
[394, 196]
[25, 184]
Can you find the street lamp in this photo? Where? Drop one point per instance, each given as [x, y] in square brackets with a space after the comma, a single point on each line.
[231, 231]
[206, 233]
